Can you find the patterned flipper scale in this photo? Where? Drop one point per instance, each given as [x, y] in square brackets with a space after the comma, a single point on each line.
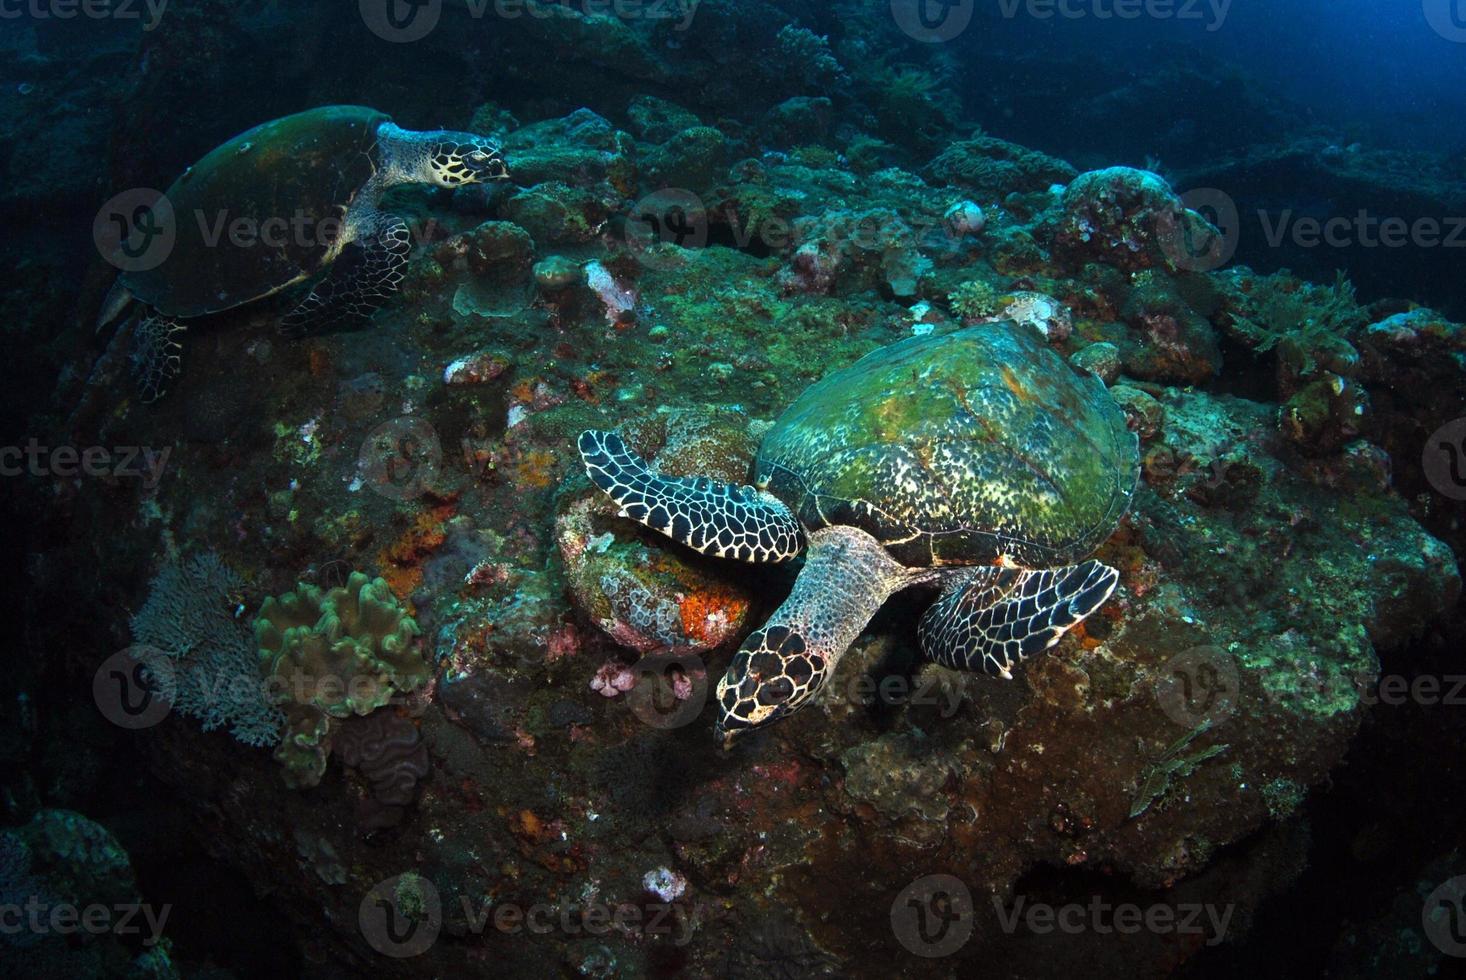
[992, 618]
[359, 283]
[157, 355]
[721, 519]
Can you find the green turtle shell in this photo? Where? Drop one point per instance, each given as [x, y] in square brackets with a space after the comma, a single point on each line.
[295, 173]
[966, 448]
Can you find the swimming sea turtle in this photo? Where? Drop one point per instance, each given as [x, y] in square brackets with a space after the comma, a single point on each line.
[976, 460]
[275, 206]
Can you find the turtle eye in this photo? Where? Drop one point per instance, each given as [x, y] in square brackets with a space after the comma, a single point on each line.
[478, 156]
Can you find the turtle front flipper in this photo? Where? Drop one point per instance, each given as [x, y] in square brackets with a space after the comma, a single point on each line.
[721, 519]
[157, 355]
[990, 617]
[847, 576]
[363, 277]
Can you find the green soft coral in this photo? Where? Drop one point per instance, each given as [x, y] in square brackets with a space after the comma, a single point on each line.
[1280, 306]
[332, 654]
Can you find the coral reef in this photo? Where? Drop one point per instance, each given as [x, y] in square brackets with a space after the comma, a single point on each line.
[497, 739]
[1287, 555]
[844, 251]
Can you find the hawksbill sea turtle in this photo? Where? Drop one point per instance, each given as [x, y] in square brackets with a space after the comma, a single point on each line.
[305, 189]
[977, 461]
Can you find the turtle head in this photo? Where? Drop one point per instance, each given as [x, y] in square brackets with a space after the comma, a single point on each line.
[455, 159]
[783, 665]
[772, 675]
[441, 157]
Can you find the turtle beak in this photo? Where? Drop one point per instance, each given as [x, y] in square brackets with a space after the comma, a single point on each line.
[487, 163]
[726, 736]
[497, 169]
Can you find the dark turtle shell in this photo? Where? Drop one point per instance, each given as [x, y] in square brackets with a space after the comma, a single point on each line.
[261, 212]
[965, 448]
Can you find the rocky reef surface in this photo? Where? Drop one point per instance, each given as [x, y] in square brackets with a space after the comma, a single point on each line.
[534, 739]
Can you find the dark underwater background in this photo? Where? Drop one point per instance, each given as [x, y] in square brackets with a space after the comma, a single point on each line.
[1256, 746]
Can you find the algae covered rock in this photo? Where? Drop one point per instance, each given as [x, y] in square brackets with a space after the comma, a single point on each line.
[1131, 219]
[1168, 339]
[1101, 358]
[491, 266]
[648, 594]
[332, 654]
[581, 149]
[558, 213]
[657, 120]
[845, 251]
[694, 159]
[800, 120]
[994, 167]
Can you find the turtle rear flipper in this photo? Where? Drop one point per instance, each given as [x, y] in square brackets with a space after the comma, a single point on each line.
[990, 617]
[157, 355]
[118, 298]
[722, 519]
[368, 271]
